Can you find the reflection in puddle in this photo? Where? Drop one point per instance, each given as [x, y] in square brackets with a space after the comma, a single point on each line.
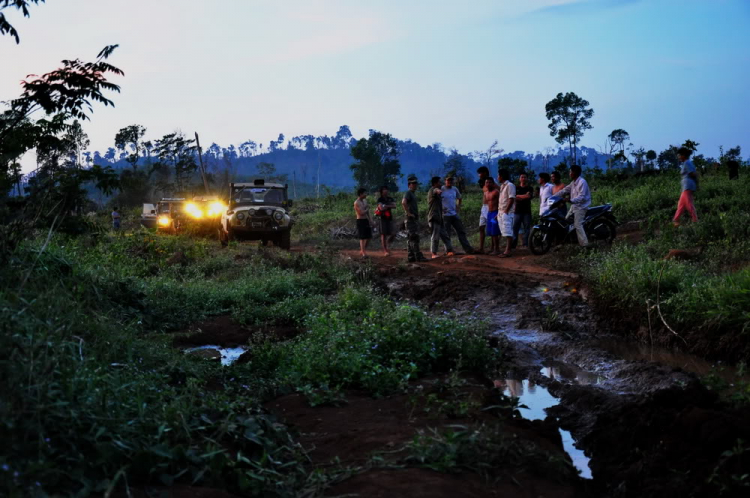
[228, 355]
[538, 399]
[568, 373]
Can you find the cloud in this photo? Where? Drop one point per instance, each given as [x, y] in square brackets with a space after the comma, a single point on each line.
[577, 7]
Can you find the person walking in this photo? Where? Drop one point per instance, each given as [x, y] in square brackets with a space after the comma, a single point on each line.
[545, 192]
[580, 198]
[506, 207]
[116, 218]
[364, 221]
[522, 217]
[435, 218]
[385, 215]
[411, 208]
[689, 186]
[451, 219]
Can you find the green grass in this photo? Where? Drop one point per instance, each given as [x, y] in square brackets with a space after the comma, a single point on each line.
[97, 399]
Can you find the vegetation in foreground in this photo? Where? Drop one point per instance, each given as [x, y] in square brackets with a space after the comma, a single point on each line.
[99, 400]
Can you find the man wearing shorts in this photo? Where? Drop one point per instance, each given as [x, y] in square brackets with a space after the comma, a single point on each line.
[364, 221]
[483, 173]
[506, 205]
[491, 197]
[409, 203]
[385, 215]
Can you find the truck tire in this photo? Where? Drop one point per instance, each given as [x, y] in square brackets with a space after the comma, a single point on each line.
[285, 240]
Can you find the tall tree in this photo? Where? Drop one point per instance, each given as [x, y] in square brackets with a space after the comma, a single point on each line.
[178, 153]
[377, 161]
[569, 117]
[485, 157]
[131, 136]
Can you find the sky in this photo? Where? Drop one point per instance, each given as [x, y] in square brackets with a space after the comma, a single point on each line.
[461, 73]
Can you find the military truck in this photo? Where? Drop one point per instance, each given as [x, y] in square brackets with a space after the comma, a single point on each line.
[257, 211]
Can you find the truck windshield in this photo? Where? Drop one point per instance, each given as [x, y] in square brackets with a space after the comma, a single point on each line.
[259, 196]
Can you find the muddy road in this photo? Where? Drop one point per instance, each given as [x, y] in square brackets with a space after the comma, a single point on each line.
[635, 420]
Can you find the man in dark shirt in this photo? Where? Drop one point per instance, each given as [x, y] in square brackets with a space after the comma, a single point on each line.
[435, 218]
[387, 226]
[524, 194]
[409, 203]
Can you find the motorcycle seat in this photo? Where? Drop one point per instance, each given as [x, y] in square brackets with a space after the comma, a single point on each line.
[597, 210]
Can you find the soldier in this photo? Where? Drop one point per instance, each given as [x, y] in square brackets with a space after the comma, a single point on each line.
[409, 203]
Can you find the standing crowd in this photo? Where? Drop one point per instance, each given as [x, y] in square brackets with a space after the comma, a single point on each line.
[506, 210]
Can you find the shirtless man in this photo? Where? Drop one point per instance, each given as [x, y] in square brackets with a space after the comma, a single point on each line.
[491, 199]
[484, 173]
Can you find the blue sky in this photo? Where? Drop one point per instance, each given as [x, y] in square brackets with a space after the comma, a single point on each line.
[458, 73]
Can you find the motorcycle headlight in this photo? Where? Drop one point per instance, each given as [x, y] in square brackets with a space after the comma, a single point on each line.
[240, 216]
[278, 215]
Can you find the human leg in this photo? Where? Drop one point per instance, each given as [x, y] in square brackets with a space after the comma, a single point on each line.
[526, 223]
[579, 214]
[458, 226]
[507, 222]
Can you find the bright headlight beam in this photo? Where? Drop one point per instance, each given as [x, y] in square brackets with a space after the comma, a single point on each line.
[193, 210]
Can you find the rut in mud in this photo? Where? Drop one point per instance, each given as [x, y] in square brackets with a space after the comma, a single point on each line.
[640, 414]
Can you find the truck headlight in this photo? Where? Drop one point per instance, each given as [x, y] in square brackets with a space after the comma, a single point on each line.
[193, 210]
[278, 216]
[240, 216]
[163, 221]
[216, 208]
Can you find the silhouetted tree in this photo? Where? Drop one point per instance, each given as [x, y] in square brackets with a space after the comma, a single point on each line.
[130, 136]
[377, 161]
[569, 117]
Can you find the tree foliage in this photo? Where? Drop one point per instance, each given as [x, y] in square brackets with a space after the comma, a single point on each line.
[377, 161]
[569, 117]
[130, 137]
[23, 5]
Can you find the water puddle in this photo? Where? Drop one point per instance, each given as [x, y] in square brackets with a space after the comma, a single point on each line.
[538, 399]
[565, 372]
[228, 355]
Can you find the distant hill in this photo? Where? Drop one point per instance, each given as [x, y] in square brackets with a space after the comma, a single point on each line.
[327, 159]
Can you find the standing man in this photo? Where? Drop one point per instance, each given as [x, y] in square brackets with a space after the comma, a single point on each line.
[580, 198]
[387, 226]
[522, 217]
[689, 186]
[483, 173]
[491, 197]
[545, 192]
[451, 207]
[364, 221]
[435, 218]
[506, 205]
[116, 218]
[409, 203]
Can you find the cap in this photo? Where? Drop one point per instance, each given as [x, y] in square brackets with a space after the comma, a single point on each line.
[413, 179]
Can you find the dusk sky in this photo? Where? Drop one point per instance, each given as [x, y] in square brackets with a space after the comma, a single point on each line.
[458, 73]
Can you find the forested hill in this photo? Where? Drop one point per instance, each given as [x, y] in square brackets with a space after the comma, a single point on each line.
[307, 156]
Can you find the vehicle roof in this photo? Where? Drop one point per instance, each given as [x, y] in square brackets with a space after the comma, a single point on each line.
[247, 184]
[173, 199]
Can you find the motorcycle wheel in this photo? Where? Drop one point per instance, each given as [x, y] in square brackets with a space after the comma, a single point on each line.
[540, 242]
[604, 230]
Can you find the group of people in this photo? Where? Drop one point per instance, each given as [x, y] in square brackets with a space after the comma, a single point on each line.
[506, 210]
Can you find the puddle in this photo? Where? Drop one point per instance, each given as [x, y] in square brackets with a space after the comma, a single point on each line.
[228, 355]
[565, 372]
[538, 399]
[642, 352]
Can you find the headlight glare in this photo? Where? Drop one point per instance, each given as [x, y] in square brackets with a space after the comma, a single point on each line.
[193, 210]
[163, 221]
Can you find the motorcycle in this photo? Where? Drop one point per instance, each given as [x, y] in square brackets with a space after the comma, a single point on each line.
[554, 228]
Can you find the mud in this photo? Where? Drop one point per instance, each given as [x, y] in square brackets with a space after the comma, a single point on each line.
[642, 416]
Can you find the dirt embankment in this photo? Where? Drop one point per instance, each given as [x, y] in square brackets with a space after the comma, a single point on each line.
[647, 423]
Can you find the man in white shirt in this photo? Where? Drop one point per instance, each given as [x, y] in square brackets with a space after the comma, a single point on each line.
[506, 209]
[580, 198]
[545, 192]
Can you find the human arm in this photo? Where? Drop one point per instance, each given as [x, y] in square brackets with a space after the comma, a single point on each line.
[405, 205]
[583, 193]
